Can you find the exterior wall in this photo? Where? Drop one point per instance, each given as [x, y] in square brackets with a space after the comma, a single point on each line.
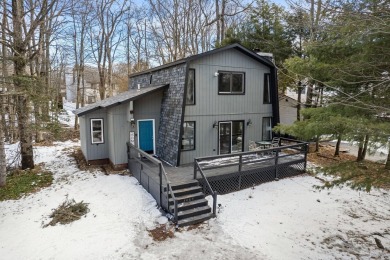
[148, 107]
[168, 133]
[210, 106]
[118, 133]
[94, 151]
[287, 110]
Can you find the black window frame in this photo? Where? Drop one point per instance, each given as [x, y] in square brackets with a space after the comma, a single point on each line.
[102, 130]
[267, 89]
[194, 96]
[194, 137]
[220, 72]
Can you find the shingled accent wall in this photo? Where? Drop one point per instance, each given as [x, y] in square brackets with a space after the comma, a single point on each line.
[168, 135]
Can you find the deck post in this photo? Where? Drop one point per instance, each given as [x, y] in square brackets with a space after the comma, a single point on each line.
[306, 146]
[195, 168]
[160, 176]
[215, 203]
[276, 165]
[239, 170]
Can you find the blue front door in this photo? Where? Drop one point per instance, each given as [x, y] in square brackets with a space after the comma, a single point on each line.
[145, 132]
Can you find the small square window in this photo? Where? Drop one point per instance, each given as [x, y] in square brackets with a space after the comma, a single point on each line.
[97, 134]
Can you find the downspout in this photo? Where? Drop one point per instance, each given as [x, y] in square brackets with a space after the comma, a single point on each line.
[182, 114]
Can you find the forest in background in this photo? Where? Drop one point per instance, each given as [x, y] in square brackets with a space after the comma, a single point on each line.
[339, 46]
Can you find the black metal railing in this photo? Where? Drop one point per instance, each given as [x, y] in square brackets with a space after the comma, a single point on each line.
[143, 166]
[212, 192]
[241, 170]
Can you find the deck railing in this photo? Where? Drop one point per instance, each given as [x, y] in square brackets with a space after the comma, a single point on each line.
[212, 192]
[244, 169]
[150, 173]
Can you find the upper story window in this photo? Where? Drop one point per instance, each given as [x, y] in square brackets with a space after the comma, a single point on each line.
[267, 89]
[97, 135]
[190, 97]
[231, 82]
[188, 138]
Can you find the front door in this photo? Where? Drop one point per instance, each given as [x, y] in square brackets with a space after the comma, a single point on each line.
[231, 137]
[146, 135]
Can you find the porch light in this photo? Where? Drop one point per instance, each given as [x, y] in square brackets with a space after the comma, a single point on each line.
[215, 125]
[249, 123]
[132, 123]
[216, 74]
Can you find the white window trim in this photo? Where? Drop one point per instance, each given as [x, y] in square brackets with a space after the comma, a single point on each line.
[102, 127]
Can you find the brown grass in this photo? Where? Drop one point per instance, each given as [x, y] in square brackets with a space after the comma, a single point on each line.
[67, 212]
[161, 233]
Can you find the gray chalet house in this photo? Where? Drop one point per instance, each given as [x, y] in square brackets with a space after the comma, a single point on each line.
[207, 104]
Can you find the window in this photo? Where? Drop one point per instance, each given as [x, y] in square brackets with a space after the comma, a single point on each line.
[267, 128]
[267, 92]
[231, 137]
[188, 138]
[97, 135]
[231, 82]
[190, 97]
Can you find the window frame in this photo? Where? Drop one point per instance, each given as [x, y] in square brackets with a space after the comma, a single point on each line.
[267, 82]
[231, 82]
[270, 118]
[194, 101]
[194, 137]
[231, 135]
[102, 130]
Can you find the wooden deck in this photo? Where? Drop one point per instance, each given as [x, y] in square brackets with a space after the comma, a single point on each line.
[185, 173]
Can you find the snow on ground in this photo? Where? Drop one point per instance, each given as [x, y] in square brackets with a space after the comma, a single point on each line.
[287, 219]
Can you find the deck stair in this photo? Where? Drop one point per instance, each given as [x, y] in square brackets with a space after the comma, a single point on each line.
[192, 206]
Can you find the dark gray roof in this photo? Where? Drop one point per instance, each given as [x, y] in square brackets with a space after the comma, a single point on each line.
[235, 46]
[129, 95]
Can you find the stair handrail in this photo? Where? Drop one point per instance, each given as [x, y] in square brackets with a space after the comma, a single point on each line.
[213, 192]
[162, 169]
[162, 172]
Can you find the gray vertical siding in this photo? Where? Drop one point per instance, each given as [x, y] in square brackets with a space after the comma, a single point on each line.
[119, 128]
[212, 107]
[287, 110]
[148, 107]
[96, 151]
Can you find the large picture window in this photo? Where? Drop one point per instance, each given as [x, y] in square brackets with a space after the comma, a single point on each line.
[190, 97]
[97, 135]
[231, 82]
[267, 92]
[188, 138]
[267, 128]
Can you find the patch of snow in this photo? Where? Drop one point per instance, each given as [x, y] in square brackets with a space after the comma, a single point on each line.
[286, 219]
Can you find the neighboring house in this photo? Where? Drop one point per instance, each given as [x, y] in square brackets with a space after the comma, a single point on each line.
[287, 110]
[89, 89]
[207, 104]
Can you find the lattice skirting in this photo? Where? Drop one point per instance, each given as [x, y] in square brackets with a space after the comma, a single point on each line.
[241, 180]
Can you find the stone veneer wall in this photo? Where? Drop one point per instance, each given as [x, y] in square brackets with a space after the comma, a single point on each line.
[168, 135]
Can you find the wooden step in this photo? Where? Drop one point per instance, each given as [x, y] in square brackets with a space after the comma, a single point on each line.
[186, 191]
[189, 205]
[193, 212]
[183, 185]
[194, 220]
[186, 198]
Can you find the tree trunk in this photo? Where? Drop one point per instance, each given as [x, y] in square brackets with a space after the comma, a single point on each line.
[26, 148]
[317, 144]
[387, 165]
[299, 101]
[3, 169]
[337, 150]
[363, 146]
